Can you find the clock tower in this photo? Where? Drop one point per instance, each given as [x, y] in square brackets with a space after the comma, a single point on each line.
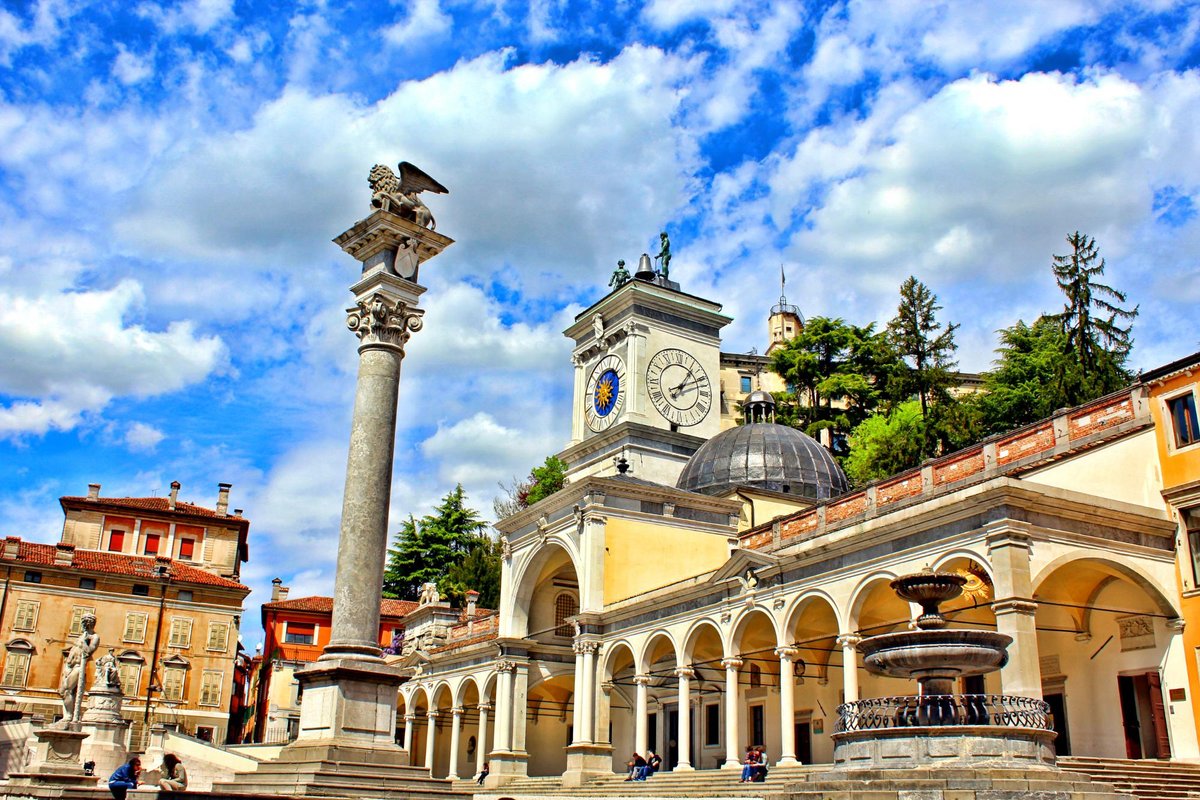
[647, 379]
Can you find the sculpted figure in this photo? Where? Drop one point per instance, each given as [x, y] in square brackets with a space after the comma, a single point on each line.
[620, 275]
[664, 256]
[429, 594]
[400, 194]
[71, 687]
[108, 672]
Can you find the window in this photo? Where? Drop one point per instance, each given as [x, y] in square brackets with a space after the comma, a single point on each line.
[1183, 419]
[77, 615]
[299, 633]
[181, 632]
[150, 544]
[16, 663]
[27, 614]
[87, 583]
[187, 549]
[746, 384]
[141, 590]
[210, 688]
[565, 605]
[205, 733]
[712, 725]
[173, 678]
[116, 541]
[135, 628]
[33, 577]
[185, 596]
[218, 636]
[130, 670]
[755, 678]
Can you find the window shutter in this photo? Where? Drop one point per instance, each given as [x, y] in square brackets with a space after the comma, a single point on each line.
[77, 615]
[218, 636]
[16, 668]
[173, 683]
[135, 627]
[181, 632]
[210, 689]
[131, 675]
[26, 617]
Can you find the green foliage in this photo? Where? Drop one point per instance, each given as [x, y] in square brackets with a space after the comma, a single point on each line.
[425, 550]
[885, 444]
[926, 347]
[830, 362]
[1089, 316]
[546, 480]
[479, 570]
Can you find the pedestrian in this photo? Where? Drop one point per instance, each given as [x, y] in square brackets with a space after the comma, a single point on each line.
[174, 776]
[483, 773]
[125, 778]
[749, 763]
[653, 763]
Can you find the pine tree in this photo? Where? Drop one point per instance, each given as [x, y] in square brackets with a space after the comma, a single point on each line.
[1090, 317]
[916, 335]
[479, 570]
[426, 550]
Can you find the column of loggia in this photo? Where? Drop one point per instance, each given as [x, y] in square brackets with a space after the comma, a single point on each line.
[410, 722]
[588, 707]
[430, 737]
[787, 704]
[578, 734]
[1009, 546]
[481, 741]
[684, 736]
[732, 701]
[455, 737]
[849, 644]
[641, 736]
[502, 739]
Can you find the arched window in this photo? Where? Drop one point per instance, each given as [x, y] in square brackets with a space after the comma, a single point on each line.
[755, 676]
[565, 605]
[16, 662]
[129, 667]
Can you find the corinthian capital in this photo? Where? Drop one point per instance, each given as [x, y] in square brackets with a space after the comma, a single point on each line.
[380, 321]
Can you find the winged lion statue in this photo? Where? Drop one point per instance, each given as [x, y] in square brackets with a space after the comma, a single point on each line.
[400, 194]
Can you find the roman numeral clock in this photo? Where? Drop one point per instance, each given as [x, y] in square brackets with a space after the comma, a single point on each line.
[679, 387]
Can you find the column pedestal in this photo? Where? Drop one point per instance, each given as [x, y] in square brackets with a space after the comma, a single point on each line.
[586, 761]
[56, 762]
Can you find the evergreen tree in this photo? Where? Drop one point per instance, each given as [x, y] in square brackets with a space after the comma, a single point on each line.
[1035, 375]
[479, 570]
[1089, 319]
[425, 550]
[917, 336]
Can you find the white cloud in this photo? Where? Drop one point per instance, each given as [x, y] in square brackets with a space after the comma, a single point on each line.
[71, 352]
[129, 68]
[425, 21]
[667, 14]
[143, 438]
[479, 450]
[198, 16]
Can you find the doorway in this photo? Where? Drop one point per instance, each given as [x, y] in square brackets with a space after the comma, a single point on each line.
[804, 742]
[1058, 721]
[1143, 715]
[672, 759]
[758, 725]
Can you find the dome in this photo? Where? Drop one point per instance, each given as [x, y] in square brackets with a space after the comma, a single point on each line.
[766, 456]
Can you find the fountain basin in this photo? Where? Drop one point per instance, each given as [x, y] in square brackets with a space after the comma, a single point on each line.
[935, 657]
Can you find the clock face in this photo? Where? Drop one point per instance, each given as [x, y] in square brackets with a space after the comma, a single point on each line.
[606, 393]
[679, 387]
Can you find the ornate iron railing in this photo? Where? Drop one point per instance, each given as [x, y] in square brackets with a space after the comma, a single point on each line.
[944, 710]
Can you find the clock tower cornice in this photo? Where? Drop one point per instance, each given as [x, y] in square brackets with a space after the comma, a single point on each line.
[670, 307]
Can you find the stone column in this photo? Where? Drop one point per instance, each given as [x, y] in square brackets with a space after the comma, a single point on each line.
[641, 724]
[577, 732]
[588, 755]
[349, 694]
[430, 738]
[1008, 549]
[455, 734]
[410, 721]
[849, 644]
[787, 705]
[588, 699]
[481, 739]
[502, 742]
[732, 703]
[684, 737]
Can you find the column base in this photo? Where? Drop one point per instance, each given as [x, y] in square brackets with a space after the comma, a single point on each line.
[57, 762]
[731, 764]
[683, 768]
[505, 766]
[349, 703]
[587, 760]
[787, 761]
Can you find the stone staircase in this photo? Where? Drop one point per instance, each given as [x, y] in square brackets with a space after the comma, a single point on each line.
[1145, 779]
[707, 783]
[335, 779]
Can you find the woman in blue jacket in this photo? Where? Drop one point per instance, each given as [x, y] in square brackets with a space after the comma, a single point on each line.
[125, 778]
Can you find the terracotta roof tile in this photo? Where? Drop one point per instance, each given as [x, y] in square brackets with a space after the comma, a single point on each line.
[159, 504]
[120, 564]
[324, 605]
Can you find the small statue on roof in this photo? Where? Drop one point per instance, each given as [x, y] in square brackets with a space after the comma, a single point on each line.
[620, 275]
[401, 194]
[664, 256]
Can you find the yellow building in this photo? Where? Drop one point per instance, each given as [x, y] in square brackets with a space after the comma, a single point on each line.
[1174, 390]
[171, 620]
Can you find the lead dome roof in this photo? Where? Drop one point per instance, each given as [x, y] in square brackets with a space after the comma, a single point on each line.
[764, 455]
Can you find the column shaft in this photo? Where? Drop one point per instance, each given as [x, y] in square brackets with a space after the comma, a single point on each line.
[588, 699]
[455, 734]
[430, 739]
[732, 704]
[504, 711]
[577, 731]
[409, 721]
[787, 705]
[481, 740]
[364, 535]
[641, 723]
[684, 735]
[849, 644]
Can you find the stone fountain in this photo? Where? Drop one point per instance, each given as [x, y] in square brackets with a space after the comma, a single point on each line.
[937, 726]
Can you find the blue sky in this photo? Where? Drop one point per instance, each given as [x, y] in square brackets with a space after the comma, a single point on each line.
[171, 307]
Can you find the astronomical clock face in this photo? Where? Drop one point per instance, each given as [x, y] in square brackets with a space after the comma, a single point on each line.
[606, 393]
[678, 387]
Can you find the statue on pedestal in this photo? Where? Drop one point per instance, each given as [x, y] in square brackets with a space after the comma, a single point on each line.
[74, 674]
[400, 194]
[664, 256]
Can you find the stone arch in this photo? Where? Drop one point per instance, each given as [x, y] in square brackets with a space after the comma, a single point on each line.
[612, 651]
[1129, 569]
[553, 557]
[802, 600]
[652, 650]
[737, 631]
[862, 593]
[812, 625]
[948, 558]
[462, 687]
[697, 629]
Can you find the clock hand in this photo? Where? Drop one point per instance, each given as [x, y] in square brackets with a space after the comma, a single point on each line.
[678, 390]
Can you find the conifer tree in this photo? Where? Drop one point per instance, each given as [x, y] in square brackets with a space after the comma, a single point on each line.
[427, 549]
[917, 336]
